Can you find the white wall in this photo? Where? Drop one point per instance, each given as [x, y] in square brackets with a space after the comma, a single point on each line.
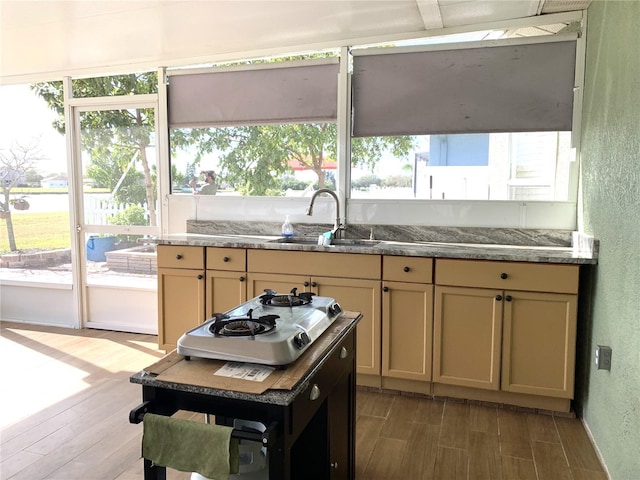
[47, 304]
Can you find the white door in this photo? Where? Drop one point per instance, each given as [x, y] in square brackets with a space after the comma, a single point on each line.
[115, 182]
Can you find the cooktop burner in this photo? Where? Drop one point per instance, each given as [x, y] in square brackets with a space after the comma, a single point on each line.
[225, 326]
[288, 300]
[271, 329]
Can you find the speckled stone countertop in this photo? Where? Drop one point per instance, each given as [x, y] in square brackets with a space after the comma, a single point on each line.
[518, 245]
[274, 397]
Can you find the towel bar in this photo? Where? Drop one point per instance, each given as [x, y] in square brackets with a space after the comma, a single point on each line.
[137, 415]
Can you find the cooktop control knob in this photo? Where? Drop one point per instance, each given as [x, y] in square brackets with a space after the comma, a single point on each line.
[300, 340]
[334, 310]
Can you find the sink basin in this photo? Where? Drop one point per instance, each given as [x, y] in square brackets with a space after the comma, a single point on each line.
[338, 242]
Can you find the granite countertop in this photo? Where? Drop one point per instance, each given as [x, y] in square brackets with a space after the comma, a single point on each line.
[310, 363]
[436, 249]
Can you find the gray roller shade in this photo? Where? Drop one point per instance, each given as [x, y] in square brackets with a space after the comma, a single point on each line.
[511, 88]
[296, 94]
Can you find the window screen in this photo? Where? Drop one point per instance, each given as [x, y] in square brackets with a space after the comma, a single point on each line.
[292, 94]
[509, 88]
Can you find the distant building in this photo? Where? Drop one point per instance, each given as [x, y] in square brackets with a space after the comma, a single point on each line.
[57, 181]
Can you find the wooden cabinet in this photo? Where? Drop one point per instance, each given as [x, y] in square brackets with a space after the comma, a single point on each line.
[194, 283]
[407, 317]
[352, 279]
[327, 408]
[181, 292]
[539, 336]
[448, 327]
[506, 338]
[358, 295]
[468, 334]
[226, 285]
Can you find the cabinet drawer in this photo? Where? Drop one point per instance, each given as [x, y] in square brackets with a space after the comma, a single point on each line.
[180, 256]
[508, 275]
[231, 259]
[343, 265]
[407, 269]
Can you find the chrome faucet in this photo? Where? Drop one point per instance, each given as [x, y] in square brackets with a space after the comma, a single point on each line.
[337, 225]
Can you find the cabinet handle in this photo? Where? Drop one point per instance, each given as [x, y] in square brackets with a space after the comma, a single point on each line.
[406, 269]
[225, 259]
[314, 284]
[508, 298]
[504, 276]
[241, 279]
[385, 289]
[334, 465]
[179, 257]
[314, 394]
[306, 284]
[499, 298]
[200, 277]
[344, 352]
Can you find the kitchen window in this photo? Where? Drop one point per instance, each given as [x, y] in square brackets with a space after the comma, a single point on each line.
[524, 166]
[266, 129]
[484, 121]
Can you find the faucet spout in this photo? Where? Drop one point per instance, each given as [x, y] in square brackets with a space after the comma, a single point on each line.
[337, 224]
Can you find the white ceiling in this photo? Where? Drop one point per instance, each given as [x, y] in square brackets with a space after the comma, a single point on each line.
[44, 40]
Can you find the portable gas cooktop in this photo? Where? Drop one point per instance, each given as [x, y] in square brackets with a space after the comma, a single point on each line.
[271, 329]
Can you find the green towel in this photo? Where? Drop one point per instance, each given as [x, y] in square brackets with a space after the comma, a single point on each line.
[190, 446]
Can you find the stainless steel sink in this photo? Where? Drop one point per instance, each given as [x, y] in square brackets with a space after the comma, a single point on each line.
[338, 242]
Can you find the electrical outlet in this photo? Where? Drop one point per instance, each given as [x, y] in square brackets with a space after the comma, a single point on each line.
[603, 357]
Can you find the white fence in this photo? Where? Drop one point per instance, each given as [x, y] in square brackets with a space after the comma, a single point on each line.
[99, 211]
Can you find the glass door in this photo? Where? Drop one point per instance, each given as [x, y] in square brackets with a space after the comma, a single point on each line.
[116, 181]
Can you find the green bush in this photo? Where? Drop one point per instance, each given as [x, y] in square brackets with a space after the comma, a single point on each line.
[132, 215]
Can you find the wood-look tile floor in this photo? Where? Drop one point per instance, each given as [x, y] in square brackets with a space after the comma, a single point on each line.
[66, 397]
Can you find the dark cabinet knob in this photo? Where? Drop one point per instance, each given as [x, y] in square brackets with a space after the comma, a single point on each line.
[504, 276]
[200, 277]
[499, 298]
[508, 298]
[241, 279]
[178, 257]
[385, 289]
[406, 269]
[314, 284]
[306, 284]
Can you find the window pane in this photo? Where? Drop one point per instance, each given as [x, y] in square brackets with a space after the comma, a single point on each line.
[116, 85]
[119, 164]
[482, 166]
[269, 160]
[34, 202]
[120, 260]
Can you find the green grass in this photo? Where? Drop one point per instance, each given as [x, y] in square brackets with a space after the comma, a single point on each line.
[41, 231]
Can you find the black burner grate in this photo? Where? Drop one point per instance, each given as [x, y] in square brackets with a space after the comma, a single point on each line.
[292, 299]
[224, 326]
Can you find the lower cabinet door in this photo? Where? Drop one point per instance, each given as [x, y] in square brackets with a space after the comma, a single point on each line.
[181, 298]
[467, 337]
[357, 295]
[407, 325]
[539, 343]
[340, 430]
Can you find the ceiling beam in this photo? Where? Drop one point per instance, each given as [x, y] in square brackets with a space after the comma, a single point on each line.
[430, 12]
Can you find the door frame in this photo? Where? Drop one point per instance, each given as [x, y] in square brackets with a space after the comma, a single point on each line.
[73, 108]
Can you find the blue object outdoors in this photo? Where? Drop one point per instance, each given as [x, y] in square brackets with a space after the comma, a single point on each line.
[97, 246]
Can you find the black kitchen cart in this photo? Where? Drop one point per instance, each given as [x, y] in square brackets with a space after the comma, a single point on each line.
[310, 428]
